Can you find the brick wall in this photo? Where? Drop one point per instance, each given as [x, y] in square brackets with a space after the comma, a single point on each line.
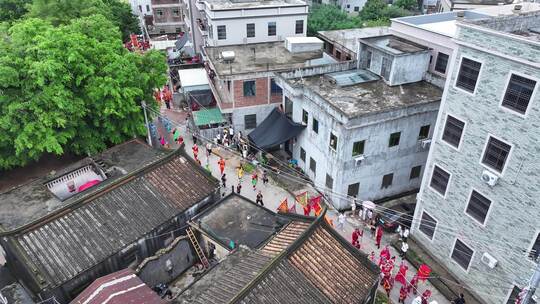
[168, 16]
[261, 93]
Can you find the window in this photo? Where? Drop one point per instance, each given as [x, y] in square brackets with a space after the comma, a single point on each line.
[147, 8]
[312, 165]
[162, 31]
[228, 85]
[338, 54]
[368, 63]
[303, 154]
[348, 6]
[442, 62]
[439, 180]
[496, 154]
[176, 12]
[271, 28]
[427, 225]
[358, 147]
[221, 32]
[305, 116]
[415, 172]
[159, 12]
[140, 8]
[387, 180]
[462, 254]
[453, 130]
[250, 30]
[250, 121]
[274, 88]
[356, 8]
[178, 29]
[424, 132]
[394, 139]
[518, 93]
[478, 207]
[299, 29]
[249, 88]
[329, 182]
[535, 250]
[211, 31]
[353, 189]
[386, 66]
[468, 74]
[315, 125]
[333, 141]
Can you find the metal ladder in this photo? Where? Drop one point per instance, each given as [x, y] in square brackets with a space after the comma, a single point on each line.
[198, 249]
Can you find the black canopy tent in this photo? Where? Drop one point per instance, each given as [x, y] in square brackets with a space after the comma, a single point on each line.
[274, 130]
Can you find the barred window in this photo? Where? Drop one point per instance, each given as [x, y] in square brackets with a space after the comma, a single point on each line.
[468, 74]
[394, 139]
[275, 89]
[304, 116]
[299, 27]
[462, 254]
[271, 28]
[329, 182]
[221, 32]
[315, 125]
[312, 165]
[453, 130]
[368, 62]
[496, 154]
[353, 189]
[442, 62]
[303, 154]
[439, 180]
[415, 172]
[428, 225]
[249, 88]
[518, 93]
[250, 30]
[478, 206]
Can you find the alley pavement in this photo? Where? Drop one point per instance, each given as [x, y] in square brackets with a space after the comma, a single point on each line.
[273, 195]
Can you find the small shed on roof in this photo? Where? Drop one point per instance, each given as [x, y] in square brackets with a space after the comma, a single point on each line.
[193, 80]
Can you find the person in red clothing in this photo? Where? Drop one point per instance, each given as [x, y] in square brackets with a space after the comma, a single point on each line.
[195, 151]
[387, 285]
[254, 179]
[357, 234]
[402, 294]
[413, 285]
[221, 164]
[402, 274]
[378, 236]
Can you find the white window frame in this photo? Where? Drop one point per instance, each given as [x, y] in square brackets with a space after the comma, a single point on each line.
[332, 132]
[431, 177]
[499, 174]
[536, 233]
[473, 93]
[487, 213]
[462, 133]
[533, 95]
[434, 230]
[472, 256]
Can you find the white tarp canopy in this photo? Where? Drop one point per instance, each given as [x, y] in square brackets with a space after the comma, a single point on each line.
[193, 80]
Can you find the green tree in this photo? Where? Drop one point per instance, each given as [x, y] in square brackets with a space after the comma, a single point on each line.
[123, 17]
[330, 17]
[11, 10]
[393, 11]
[410, 5]
[70, 88]
[372, 9]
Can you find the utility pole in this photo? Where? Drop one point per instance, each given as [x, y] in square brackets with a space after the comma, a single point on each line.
[149, 138]
[535, 282]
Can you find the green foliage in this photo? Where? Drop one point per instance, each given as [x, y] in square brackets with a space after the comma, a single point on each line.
[393, 12]
[122, 16]
[330, 17]
[407, 4]
[372, 10]
[11, 10]
[72, 87]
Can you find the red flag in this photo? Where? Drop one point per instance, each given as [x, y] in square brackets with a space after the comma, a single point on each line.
[293, 208]
[315, 201]
[307, 210]
[317, 212]
[328, 221]
[283, 208]
[302, 198]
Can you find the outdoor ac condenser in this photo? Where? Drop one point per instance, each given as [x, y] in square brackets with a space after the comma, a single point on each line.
[489, 260]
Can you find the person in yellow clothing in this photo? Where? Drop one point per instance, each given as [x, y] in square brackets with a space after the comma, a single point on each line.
[240, 172]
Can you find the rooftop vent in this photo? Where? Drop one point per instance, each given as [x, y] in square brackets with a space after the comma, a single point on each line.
[74, 182]
[460, 14]
[517, 9]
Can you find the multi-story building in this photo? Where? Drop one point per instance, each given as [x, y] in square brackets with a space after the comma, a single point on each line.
[232, 22]
[343, 44]
[368, 129]
[242, 76]
[167, 17]
[460, 5]
[477, 211]
[141, 8]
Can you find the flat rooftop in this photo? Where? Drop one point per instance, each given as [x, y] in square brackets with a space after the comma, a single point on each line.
[242, 4]
[525, 25]
[441, 23]
[261, 57]
[28, 202]
[237, 219]
[394, 44]
[349, 38]
[371, 96]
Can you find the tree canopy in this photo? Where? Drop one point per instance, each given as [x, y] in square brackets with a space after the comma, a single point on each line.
[11, 10]
[71, 87]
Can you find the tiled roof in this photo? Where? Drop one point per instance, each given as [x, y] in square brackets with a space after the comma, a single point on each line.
[334, 269]
[120, 287]
[81, 237]
[223, 282]
[285, 237]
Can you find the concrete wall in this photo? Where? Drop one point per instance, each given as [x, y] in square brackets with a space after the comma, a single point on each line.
[375, 130]
[238, 114]
[409, 68]
[139, 7]
[236, 32]
[352, 6]
[512, 222]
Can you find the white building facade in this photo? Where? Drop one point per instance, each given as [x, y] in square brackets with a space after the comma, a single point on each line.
[477, 211]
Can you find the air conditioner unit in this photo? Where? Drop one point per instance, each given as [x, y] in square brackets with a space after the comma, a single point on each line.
[489, 260]
[489, 178]
[358, 160]
[425, 143]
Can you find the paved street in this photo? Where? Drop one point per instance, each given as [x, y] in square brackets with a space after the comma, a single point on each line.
[273, 195]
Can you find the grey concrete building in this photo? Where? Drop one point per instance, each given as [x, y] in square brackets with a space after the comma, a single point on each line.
[365, 136]
[477, 211]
